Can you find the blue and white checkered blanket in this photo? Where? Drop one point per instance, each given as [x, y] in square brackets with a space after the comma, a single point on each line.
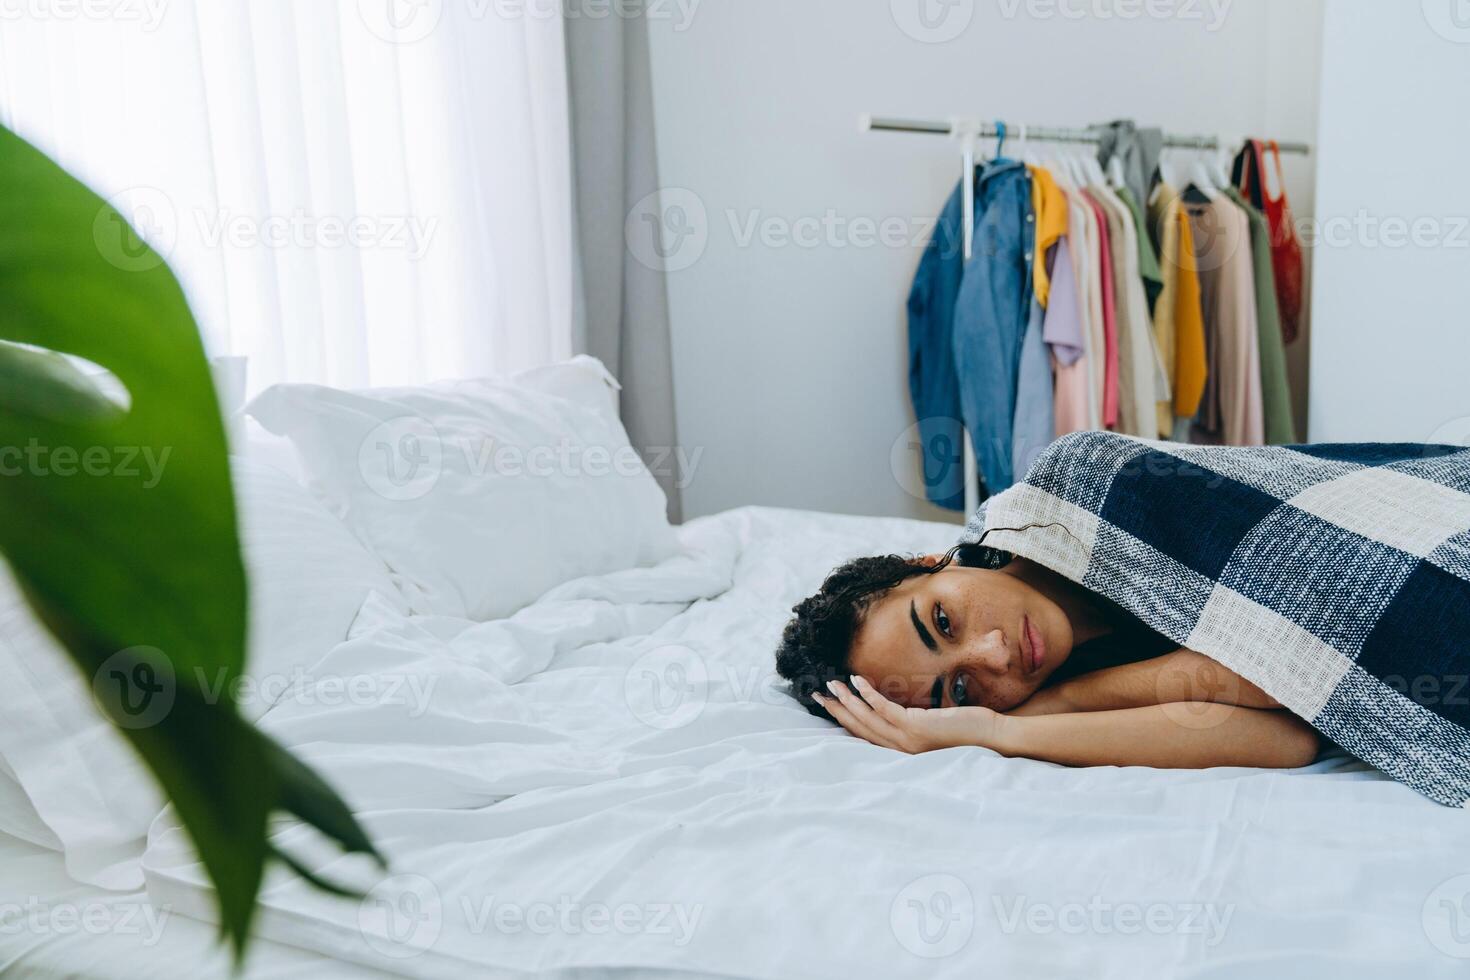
[1334, 577]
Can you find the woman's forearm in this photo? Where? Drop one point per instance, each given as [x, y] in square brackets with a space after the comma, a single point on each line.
[1160, 736]
[1181, 676]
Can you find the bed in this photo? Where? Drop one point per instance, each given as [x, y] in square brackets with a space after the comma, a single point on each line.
[647, 798]
[559, 720]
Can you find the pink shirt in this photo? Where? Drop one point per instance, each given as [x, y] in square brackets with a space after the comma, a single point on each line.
[1110, 317]
[1062, 329]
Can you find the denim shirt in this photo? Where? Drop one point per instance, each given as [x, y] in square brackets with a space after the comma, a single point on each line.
[991, 316]
[933, 384]
[967, 322]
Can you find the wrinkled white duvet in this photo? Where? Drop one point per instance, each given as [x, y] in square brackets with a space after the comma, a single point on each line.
[613, 778]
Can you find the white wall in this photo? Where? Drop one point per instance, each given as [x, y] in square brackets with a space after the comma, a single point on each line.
[791, 361]
[1393, 347]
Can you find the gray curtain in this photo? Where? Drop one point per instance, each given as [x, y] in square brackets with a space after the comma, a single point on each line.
[622, 309]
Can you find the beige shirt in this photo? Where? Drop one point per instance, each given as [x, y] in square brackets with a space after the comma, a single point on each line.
[1232, 409]
[1163, 216]
[1138, 361]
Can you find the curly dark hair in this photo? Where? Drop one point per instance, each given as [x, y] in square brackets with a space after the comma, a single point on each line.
[817, 642]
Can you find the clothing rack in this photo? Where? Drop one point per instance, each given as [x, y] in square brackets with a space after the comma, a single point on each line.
[1050, 134]
[969, 132]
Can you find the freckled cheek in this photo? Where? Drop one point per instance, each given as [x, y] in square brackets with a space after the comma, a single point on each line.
[1005, 696]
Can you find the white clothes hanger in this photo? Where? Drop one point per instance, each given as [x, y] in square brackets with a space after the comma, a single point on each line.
[1200, 178]
[1225, 157]
[1166, 176]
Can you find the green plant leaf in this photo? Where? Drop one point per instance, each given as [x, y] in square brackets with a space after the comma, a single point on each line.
[120, 523]
[43, 384]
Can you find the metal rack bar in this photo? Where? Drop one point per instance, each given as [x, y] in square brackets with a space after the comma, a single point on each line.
[1053, 134]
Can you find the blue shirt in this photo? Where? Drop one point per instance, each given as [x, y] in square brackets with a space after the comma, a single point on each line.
[967, 324]
[933, 384]
[991, 315]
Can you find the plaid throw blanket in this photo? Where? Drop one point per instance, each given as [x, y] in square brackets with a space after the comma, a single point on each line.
[1334, 577]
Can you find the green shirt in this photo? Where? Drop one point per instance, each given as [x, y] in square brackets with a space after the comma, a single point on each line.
[1148, 259]
[1276, 412]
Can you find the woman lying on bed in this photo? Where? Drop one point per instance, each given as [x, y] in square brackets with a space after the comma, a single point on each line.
[976, 647]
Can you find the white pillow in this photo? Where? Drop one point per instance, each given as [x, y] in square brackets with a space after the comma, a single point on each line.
[308, 579]
[482, 494]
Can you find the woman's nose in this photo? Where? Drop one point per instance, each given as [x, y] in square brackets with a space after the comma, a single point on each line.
[991, 654]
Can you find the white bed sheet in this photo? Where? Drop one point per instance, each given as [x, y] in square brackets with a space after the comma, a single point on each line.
[612, 778]
[52, 927]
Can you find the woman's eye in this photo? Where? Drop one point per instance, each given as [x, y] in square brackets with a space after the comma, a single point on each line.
[960, 690]
[941, 619]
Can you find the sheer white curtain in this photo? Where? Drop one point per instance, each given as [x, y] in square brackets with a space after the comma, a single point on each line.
[354, 192]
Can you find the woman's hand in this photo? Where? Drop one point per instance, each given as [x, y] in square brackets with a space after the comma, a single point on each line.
[869, 715]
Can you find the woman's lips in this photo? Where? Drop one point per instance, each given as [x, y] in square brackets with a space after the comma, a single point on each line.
[1035, 646]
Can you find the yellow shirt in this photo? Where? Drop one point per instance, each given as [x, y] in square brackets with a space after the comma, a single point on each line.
[1190, 364]
[1163, 221]
[1049, 208]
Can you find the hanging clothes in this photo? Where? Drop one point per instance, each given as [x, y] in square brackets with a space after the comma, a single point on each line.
[1137, 362]
[1178, 318]
[992, 313]
[1108, 313]
[934, 384]
[1064, 334]
[1278, 421]
[1136, 149]
[1033, 424]
[1033, 420]
[1230, 411]
[1163, 230]
[1049, 214]
[1068, 326]
[1148, 256]
[1249, 175]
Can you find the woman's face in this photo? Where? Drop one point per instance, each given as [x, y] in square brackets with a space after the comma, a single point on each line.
[961, 636]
